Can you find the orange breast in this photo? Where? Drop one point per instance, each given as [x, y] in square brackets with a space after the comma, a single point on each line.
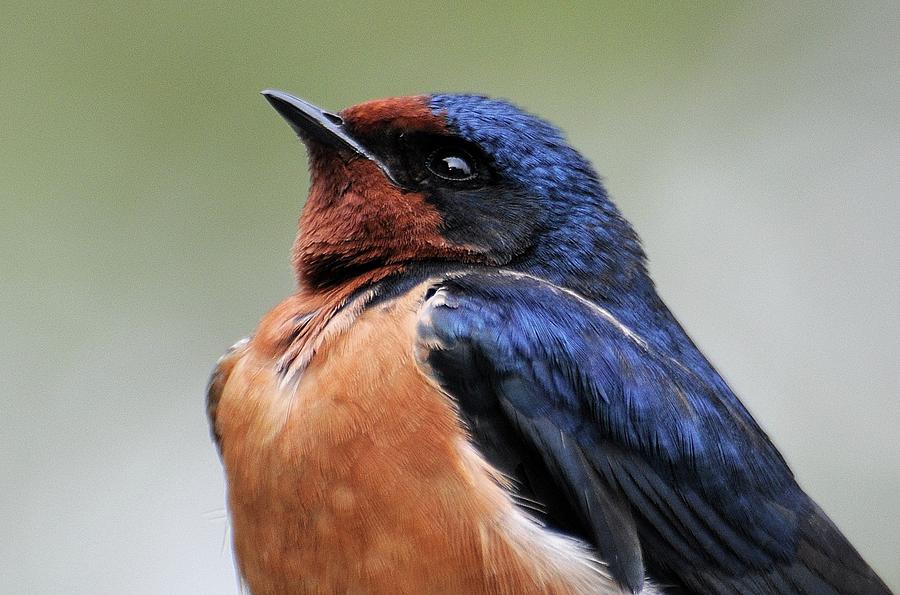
[357, 477]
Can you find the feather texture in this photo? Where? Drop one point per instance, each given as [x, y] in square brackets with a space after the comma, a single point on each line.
[657, 462]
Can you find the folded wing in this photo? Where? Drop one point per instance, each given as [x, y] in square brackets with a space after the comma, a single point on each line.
[637, 447]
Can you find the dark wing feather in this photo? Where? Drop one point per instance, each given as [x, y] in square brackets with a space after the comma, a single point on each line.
[216, 385]
[636, 446]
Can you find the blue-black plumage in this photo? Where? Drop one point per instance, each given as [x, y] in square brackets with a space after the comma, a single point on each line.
[567, 363]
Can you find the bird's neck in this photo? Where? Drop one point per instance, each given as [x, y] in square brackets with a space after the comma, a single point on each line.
[593, 251]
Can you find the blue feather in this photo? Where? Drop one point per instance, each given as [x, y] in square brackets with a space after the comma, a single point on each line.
[577, 380]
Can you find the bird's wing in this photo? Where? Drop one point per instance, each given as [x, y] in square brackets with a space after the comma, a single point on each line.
[655, 463]
[216, 385]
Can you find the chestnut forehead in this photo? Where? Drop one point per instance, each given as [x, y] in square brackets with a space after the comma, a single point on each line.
[404, 113]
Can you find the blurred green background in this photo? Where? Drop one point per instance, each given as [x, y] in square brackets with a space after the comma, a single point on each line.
[149, 198]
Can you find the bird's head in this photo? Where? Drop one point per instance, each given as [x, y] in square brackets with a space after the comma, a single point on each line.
[454, 178]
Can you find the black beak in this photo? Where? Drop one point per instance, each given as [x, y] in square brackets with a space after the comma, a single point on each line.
[312, 123]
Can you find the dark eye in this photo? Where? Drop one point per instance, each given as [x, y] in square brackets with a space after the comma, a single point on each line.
[451, 164]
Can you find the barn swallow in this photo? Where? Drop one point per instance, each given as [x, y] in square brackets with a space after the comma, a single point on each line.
[477, 389]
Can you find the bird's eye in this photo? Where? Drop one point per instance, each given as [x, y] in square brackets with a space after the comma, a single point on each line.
[451, 164]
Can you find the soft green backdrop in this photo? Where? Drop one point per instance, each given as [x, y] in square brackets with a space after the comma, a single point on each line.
[148, 198]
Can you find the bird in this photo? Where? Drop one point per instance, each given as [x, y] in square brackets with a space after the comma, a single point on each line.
[476, 387]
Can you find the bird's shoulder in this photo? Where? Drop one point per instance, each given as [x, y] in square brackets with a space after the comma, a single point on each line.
[278, 352]
[217, 382]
